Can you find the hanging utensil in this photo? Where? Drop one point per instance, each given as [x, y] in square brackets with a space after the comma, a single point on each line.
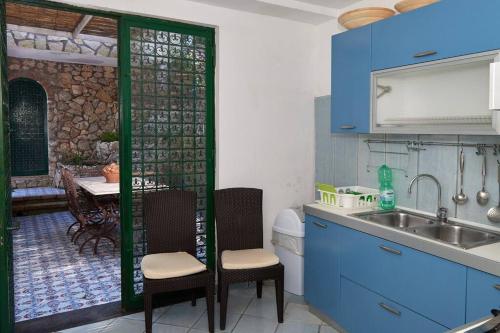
[461, 198]
[494, 213]
[483, 196]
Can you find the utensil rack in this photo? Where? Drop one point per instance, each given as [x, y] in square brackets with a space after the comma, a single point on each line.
[416, 146]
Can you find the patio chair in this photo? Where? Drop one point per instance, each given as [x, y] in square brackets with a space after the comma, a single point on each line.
[171, 264]
[91, 220]
[241, 258]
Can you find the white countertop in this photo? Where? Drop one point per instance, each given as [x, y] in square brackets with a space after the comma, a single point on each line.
[485, 258]
[467, 327]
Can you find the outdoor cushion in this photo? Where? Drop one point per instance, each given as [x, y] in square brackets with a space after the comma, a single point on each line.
[170, 265]
[247, 259]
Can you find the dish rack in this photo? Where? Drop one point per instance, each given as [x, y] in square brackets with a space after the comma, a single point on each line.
[368, 198]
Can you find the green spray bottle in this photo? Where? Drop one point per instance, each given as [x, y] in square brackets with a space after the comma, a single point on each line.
[387, 198]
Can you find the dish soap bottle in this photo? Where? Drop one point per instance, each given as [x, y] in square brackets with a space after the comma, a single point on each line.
[387, 198]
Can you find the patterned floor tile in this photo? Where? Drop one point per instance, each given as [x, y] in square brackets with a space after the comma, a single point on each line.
[50, 276]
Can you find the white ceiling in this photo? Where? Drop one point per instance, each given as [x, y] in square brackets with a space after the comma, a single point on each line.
[331, 3]
[307, 11]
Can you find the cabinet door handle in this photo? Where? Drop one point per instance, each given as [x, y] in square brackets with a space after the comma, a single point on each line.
[321, 225]
[347, 127]
[390, 309]
[390, 250]
[497, 287]
[424, 54]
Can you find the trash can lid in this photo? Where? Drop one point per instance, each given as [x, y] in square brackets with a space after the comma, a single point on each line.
[288, 222]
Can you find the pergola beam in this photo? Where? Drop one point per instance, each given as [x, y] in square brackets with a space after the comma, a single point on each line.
[81, 25]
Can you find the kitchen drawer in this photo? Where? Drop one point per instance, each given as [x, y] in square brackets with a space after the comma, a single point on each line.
[483, 294]
[365, 311]
[429, 285]
[438, 29]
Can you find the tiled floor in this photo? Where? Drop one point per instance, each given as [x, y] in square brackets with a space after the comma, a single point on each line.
[50, 276]
[246, 314]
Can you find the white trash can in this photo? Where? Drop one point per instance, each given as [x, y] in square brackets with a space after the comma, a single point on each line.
[288, 239]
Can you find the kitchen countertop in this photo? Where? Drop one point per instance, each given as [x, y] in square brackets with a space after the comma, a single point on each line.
[485, 258]
[467, 327]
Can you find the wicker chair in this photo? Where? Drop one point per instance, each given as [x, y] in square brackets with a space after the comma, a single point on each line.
[170, 221]
[238, 214]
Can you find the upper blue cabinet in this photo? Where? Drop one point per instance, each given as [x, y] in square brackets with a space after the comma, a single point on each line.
[449, 28]
[351, 68]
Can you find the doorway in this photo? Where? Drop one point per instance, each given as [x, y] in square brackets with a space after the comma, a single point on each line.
[166, 135]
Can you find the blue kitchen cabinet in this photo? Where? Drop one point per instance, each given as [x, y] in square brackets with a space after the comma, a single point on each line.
[366, 311]
[483, 294]
[404, 275]
[351, 68]
[321, 266]
[446, 29]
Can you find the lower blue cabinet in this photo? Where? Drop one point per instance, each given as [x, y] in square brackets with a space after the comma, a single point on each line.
[429, 285]
[321, 266]
[366, 311]
[483, 294]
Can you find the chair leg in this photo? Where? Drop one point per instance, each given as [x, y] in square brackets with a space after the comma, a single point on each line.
[193, 297]
[70, 227]
[84, 243]
[259, 289]
[279, 285]
[219, 285]
[148, 312]
[210, 305]
[223, 304]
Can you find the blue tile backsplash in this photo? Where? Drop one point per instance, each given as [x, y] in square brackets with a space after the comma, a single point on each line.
[345, 159]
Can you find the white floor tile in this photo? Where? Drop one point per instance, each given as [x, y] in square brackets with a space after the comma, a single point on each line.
[249, 324]
[264, 307]
[238, 303]
[162, 328]
[300, 312]
[183, 315]
[157, 313]
[297, 327]
[231, 320]
[91, 328]
[122, 325]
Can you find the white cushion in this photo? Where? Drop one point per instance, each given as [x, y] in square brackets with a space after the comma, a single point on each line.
[170, 265]
[247, 259]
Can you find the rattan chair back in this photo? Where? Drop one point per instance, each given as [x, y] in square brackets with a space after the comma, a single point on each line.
[238, 214]
[170, 220]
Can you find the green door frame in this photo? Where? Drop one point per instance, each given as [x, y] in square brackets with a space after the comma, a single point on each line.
[130, 301]
[6, 292]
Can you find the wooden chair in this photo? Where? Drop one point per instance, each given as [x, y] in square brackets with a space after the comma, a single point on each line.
[171, 264]
[241, 258]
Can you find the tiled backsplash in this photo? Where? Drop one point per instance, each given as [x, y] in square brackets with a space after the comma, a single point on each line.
[345, 159]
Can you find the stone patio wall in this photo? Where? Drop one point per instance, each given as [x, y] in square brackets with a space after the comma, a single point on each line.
[82, 104]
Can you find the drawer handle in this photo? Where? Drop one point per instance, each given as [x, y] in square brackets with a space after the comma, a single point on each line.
[390, 250]
[347, 127]
[424, 54]
[321, 225]
[390, 309]
[497, 287]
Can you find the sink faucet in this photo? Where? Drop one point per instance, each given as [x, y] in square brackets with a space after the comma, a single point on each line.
[442, 212]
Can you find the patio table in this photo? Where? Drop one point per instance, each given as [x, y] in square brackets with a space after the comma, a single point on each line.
[97, 186]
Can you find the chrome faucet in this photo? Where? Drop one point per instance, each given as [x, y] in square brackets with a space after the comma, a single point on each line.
[442, 212]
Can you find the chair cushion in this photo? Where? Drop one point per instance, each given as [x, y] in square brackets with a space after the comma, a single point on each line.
[170, 265]
[248, 259]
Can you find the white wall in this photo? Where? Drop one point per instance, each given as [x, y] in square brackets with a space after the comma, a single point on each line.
[265, 117]
[322, 51]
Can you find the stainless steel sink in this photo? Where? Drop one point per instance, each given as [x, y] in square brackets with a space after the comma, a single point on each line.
[425, 226]
[396, 218]
[457, 235]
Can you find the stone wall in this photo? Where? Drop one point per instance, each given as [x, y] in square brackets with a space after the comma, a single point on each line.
[82, 104]
[43, 40]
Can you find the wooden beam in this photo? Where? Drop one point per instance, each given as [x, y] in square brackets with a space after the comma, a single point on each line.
[81, 25]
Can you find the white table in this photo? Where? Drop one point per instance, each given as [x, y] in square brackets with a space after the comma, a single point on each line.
[97, 186]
